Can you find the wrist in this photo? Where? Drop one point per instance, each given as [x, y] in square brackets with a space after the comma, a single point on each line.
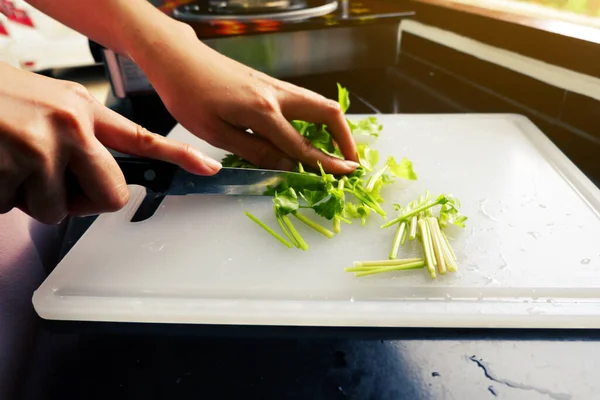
[159, 42]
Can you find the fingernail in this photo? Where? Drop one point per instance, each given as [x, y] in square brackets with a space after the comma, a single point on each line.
[285, 164]
[352, 164]
[212, 164]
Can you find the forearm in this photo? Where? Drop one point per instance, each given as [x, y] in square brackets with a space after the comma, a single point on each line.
[125, 26]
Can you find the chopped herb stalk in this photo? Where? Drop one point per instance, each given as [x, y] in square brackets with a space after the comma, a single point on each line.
[336, 225]
[308, 222]
[426, 249]
[397, 238]
[448, 245]
[301, 243]
[375, 177]
[269, 230]
[300, 167]
[403, 267]
[387, 263]
[404, 234]
[442, 199]
[285, 230]
[436, 244]
[446, 250]
[413, 228]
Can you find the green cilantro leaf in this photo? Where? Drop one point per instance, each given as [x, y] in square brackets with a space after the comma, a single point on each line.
[366, 127]
[402, 170]
[368, 157]
[343, 98]
[286, 202]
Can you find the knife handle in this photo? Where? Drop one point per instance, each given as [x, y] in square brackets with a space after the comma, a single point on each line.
[152, 174]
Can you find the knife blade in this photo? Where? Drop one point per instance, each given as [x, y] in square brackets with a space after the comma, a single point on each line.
[164, 178]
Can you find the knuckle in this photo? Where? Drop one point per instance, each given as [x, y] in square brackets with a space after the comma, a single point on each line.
[332, 108]
[263, 154]
[185, 151]
[67, 115]
[79, 91]
[145, 139]
[266, 104]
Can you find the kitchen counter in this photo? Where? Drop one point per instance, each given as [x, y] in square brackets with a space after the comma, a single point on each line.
[123, 361]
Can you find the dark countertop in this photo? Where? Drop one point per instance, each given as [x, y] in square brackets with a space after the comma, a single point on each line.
[105, 361]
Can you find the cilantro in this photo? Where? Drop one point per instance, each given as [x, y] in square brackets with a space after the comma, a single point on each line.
[402, 170]
[343, 98]
[286, 202]
[366, 127]
[368, 157]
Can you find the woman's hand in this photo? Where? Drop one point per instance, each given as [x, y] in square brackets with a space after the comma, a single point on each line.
[214, 97]
[50, 130]
[219, 99]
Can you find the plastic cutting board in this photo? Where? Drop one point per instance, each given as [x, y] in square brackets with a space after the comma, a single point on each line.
[529, 257]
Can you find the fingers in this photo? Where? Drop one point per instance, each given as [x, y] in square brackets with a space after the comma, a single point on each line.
[283, 135]
[123, 135]
[8, 194]
[251, 147]
[302, 104]
[45, 196]
[99, 183]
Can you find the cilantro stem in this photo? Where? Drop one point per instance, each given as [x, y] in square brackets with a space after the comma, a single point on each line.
[397, 238]
[413, 228]
[416, 211]
[426, 248]
[375, 177]
[447, 252]
[365, 198]
[336, 220]
[286, 231]
[269, 230]
[380, 263]
[294, 232]
[336, 225]
[403, 267]
[448, 245]
[300, 167]
[436, 244]
[317, 227]
[404, 235]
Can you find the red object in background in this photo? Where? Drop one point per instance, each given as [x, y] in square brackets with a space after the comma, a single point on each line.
[14, 14]
[3, 30]
[265, 25]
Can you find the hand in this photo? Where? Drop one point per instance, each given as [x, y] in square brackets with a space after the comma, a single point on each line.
[52, 129]
[219, 99]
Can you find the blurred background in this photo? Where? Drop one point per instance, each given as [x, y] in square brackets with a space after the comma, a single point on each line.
[33, 41]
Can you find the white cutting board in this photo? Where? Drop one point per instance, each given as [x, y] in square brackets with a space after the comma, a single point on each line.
[529, 257]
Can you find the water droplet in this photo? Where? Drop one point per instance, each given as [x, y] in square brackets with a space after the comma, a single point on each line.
[448, 297]
[542, 206]
[586, 261]
[550, 224]
[473, 269]
[229, 259]
[484, 212]
[551, 301]
[580, 226]
[534, 235]
[351, 299]
[511, 224]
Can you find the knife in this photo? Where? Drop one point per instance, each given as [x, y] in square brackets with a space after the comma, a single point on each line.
[164, 178]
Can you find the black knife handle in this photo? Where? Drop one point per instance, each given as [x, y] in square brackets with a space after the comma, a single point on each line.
[152, 174]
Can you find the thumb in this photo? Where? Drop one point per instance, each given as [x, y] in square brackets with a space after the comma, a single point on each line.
[120, 134]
